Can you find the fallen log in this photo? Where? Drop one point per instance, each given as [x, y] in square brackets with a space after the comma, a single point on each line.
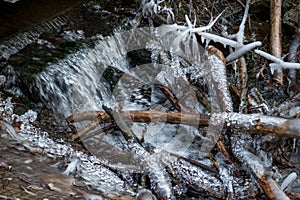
[246, 123]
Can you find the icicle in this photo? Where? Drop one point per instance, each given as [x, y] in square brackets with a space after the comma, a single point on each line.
[219, 39]
[202, 39]
[169, 18]
[75, 162]
[187, 46]
[273, 68]
[288, 180]
[155, 8]
[207, 41]
[195, 49]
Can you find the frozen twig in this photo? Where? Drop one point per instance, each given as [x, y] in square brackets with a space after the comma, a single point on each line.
[240, 51]
[262, 124]
[152, 7]
[240, 48]
[239, 36]
[219, 39]
[277, 62]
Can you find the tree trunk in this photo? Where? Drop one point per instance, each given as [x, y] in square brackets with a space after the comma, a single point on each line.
[275, 38]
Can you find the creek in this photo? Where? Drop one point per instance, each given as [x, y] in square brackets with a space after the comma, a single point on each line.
[87, 56]
[80, 60]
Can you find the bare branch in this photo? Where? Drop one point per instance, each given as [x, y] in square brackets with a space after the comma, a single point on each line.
[247, 123]
[275, 39]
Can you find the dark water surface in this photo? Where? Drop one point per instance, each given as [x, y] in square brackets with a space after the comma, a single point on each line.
[24, 14]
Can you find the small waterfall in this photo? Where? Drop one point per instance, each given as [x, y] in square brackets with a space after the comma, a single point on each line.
[63, 67]
[76, 82]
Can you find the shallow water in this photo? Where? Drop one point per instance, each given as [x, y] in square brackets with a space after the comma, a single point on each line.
[28, 174]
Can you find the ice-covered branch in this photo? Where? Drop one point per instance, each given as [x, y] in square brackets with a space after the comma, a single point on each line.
[254, 123]
[152, 7]
[240, 33]
[268, 56]
[182, 34]
[217, 38]
[277, 62]
[191, 27]
[240, 48]
[240, 51]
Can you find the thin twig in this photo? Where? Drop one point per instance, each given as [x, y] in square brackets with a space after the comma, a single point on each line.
[171, 97]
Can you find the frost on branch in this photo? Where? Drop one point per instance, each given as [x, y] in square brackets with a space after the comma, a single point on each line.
[240, 47]
[277, 62]
[184, 37]
[152, 7]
